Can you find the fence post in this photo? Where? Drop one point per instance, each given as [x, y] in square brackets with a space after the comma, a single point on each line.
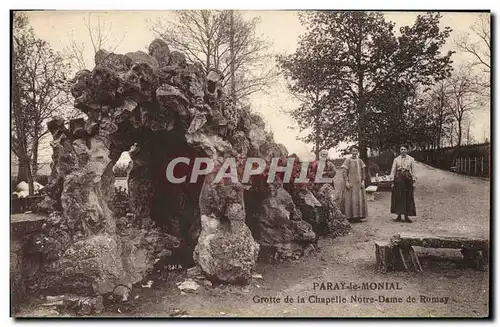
[482, 167]
[475, 166]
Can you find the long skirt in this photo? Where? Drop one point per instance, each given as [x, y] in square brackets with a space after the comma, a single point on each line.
[355, 201]
[402, 201]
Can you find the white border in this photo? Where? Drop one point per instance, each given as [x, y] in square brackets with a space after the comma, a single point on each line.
[185, 4]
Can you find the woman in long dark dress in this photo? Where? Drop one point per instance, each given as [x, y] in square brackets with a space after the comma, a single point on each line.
[403, 172]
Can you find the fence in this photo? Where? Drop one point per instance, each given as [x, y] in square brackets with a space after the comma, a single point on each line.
[473, 159]
[473, 166]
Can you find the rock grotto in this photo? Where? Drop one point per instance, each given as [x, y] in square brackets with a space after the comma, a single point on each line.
[158, 106]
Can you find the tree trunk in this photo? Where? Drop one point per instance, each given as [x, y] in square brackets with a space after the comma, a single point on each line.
[459, 143]
[24, 173]
[231, 51]
[317, 145]
[451, 135]
[440, 131]
[468, 133]
[34, 158]
[361, 105]
[208, 58]
[363, 151]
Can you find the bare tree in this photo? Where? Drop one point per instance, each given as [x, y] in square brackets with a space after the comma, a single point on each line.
[224, 41]
[477, 42]
[439, 113]
[464, 95]
[100, 36]
[39, 91]
[469, 137]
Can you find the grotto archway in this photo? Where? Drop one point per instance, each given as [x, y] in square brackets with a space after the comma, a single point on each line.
[159, 107]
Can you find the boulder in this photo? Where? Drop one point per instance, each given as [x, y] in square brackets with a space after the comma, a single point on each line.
[142, 57]
[226, 250]
[188, 286]
[160, 51]
[112, 61]
[177, 59]
[89, 266]
[278, 226]
[309, 206]
[226, 253]
[332, 220]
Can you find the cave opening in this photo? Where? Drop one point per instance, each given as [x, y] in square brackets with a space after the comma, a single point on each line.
[151, 196]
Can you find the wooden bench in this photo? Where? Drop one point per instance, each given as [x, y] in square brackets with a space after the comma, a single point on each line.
[398, 253]
[370, 191]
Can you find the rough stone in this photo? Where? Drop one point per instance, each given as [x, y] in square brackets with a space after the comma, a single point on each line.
[308, 205]
[177, 59]
[140, 82]
[226, 250]
[142, 57]
[160, 51]
[89, 266]
[122, 293]
[257, 137]
[198, 121]
[227, 254]
[113, 61]
[332, 220]
[188, 286]
[172, 98]
[276, 223]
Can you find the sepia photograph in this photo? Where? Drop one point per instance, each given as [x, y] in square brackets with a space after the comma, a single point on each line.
[250, 163]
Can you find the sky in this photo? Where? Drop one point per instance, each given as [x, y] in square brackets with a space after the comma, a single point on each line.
[281, 28]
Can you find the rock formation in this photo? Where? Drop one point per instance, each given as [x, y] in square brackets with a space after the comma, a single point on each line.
[159, 107]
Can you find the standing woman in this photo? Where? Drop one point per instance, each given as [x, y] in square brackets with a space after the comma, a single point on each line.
[403, 172]
[353, 171]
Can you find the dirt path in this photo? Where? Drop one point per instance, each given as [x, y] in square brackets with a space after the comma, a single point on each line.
[445, 202]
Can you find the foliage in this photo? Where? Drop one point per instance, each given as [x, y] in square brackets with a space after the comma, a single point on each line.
[365, 76]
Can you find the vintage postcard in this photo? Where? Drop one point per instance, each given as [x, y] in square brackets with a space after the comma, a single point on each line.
[231, 163]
